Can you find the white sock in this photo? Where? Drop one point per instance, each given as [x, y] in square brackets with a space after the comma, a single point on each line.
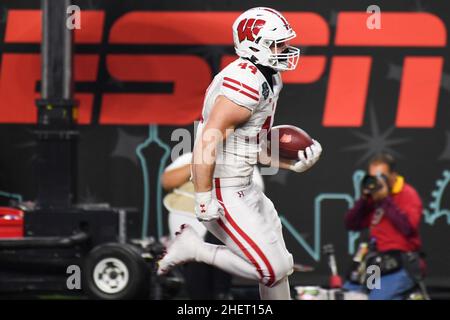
[280, 291]
[225, 259]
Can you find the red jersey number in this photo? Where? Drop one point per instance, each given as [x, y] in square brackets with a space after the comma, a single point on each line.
[245, 65]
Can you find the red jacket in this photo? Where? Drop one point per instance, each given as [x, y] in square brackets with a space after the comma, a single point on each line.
[394, 222]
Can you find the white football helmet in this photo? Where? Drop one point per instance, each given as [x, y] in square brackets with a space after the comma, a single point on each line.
[262, 35]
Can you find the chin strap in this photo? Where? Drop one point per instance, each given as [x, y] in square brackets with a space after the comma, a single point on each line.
[253, 59]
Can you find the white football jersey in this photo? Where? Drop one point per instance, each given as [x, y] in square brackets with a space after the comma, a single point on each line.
[244, 84]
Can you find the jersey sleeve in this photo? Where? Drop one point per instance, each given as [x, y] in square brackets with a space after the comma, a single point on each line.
[241, 86]
[179, 162]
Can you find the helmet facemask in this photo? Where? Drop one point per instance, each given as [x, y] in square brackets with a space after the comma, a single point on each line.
[282, 56]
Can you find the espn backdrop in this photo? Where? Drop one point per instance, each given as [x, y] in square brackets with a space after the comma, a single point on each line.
[142, 67]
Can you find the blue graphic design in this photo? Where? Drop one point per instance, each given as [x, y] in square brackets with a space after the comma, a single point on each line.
[314, 251]
[436, 211]
[152, 138]
[16, 196]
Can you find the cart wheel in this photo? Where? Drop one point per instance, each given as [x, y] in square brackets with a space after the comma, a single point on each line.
[116, 271]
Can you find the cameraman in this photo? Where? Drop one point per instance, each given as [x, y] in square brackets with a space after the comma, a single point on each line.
[391, 209]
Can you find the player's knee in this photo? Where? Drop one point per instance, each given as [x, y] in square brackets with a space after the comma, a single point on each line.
[284, 267]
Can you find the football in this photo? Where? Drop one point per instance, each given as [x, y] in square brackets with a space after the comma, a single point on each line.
[291, 140]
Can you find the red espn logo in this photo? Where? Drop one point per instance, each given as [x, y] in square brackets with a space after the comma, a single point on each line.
[190, 75]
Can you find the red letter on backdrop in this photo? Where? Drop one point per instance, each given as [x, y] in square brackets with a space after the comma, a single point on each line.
[345, 103]
[18, 78]
[190, 76]
[347, 91]
[21, 72]
[419, 92]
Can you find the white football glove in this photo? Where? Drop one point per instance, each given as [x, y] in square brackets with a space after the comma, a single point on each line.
[312, 155]
[207, 208]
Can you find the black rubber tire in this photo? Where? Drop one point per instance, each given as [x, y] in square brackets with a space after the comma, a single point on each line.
[138, 273]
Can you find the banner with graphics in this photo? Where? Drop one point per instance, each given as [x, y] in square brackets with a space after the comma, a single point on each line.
[141, 71]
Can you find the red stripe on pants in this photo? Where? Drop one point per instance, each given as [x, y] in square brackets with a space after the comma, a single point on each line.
[244, 236]
[244, 250]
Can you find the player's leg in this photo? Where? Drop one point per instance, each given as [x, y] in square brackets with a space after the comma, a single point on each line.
[177, 219]
[253, 249]
[254, 236]
[227, 257]
[268, 210]
[282, 289]
[221, 281]
[188, 246]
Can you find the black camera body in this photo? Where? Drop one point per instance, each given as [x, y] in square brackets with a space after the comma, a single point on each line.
[371, 184]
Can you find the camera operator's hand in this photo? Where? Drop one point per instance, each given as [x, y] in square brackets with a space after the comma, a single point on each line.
[382, 193]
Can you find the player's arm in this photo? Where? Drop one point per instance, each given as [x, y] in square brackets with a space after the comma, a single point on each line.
[174, 178]
[225, 116]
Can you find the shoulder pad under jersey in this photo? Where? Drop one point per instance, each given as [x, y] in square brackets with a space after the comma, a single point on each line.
[241, 84]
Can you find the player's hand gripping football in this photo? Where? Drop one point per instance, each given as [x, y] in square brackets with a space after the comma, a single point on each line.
[305, 162]
[207, 208]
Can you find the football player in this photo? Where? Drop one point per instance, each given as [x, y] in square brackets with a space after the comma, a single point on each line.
[240, 103]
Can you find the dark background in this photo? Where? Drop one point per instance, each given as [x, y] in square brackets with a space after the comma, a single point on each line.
[109, 170]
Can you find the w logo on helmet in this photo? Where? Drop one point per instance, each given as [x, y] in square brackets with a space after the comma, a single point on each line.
[249, 28]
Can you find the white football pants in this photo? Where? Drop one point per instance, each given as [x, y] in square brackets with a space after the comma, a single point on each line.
[254, 246]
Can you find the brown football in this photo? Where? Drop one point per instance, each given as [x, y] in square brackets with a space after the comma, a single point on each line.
[291, 140]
